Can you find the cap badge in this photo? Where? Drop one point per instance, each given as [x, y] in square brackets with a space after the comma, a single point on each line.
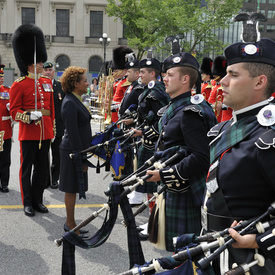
[266, 116]
[148, 62]
[131, 64]
[250, 49]
[177, 59]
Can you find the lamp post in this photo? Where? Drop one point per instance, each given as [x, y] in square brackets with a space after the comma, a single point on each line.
[104, 41]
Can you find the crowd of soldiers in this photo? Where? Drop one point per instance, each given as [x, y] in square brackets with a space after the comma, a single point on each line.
[210, 127]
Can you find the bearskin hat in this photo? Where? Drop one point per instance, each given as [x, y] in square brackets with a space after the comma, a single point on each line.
[26, 39]
[119, 57]
[206, 66]
[219, 66]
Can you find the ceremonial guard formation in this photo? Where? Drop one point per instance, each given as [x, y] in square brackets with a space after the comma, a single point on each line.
[5, 155]
[58, 95]
[32, 105]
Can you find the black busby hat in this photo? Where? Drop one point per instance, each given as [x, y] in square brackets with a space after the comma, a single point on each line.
[219, 66]
[119, 57]
[183, 59]
[27, 39]
[258, 52]
[206, 66]
[2, 66]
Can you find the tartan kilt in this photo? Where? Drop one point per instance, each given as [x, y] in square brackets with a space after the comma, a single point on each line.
[182, 216]
[143, 155]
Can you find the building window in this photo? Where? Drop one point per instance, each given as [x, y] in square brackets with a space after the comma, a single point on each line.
[249, 1]
[62, 22]
[262, 1]
[28, 15]
[271, 1]
[95, 63]
[63, 62]
[270, 28]
[96, 23]
[261, 28]
[270, 14]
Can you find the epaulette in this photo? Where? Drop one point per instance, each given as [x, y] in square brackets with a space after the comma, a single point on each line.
[266, 140]
[126, 83]
[8, 87]
[20, 79]
[193, 108]
[215, 131]
[44, 76]
[139, 86]
[162, 110]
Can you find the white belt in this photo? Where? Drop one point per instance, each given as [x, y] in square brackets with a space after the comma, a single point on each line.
[5, 118]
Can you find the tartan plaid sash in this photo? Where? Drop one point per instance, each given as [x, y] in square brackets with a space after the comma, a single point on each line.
[233, 134]
[134, 245]
[171, 110]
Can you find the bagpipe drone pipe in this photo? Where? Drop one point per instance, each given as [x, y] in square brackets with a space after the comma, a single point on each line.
[117, 196]
[190, 259]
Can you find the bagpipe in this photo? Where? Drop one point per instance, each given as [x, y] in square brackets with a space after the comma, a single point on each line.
[191, 250]
[117, 195]
[111, 145]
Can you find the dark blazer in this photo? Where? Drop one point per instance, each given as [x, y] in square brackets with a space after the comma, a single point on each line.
[58, 96]
[76, 118]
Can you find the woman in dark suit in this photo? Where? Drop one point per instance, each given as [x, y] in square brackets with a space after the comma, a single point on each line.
[77, 136]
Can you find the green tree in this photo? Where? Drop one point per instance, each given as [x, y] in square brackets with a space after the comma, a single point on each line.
[148, 23]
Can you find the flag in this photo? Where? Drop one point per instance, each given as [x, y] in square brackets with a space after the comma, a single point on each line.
[117, 161]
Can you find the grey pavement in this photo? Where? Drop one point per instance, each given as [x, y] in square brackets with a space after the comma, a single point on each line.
[27, 243]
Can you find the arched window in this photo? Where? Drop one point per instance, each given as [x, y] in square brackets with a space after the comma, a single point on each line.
[95, 64]
[62, 62]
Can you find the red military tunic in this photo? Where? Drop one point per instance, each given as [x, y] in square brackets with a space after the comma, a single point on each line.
[22, 101]
[215, 97]
[4, 112]
[121, 88]
[206, 89]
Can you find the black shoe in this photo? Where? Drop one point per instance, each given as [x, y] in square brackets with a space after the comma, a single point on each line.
[29, 211]
[139, 229]
[40, 208]
[81, 231]
[54, 185]
[143, 237]
[4, 189]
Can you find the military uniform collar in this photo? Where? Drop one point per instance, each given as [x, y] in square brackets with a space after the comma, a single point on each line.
[251, 110]
[32, 75]
[183, 95]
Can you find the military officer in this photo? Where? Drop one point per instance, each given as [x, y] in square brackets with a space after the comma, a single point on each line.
[58, 95]
[34, 110]
[5, 159]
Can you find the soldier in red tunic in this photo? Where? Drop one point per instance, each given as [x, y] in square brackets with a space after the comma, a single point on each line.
[34, 109]
[5, 159]
[206, 77]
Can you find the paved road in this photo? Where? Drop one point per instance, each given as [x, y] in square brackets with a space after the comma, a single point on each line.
[27, 243]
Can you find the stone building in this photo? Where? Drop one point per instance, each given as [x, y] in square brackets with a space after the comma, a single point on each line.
[72, 30]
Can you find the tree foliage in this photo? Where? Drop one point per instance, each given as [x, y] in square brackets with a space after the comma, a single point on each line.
[148, 23]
